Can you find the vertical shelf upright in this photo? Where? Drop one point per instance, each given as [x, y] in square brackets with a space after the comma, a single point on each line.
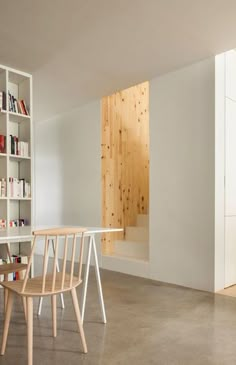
[3, 154]
[16, 162]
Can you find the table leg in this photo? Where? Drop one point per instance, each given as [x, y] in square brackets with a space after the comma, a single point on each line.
[99, 285]
[9, 251]
[40, 305]
[85, 284]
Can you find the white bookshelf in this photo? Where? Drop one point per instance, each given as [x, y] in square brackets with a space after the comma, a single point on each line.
[19, 84]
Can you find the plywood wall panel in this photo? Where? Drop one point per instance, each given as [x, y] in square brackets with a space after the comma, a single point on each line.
[125, 159]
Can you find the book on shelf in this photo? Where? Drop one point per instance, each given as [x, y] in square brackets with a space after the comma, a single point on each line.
[17, 223]
[13, 223]
[19, 188]
[3, 188]
[3, 223]
[23, 148]
[17, 147]
[17, 105]
[2, 143]
[20, 259]
[2, 100]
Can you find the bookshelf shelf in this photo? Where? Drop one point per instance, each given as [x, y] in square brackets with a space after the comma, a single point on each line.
[17, 117]
[26, 199]
[17, 157]
[16, 125]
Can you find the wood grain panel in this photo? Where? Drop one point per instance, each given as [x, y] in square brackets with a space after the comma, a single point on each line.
[125, 159]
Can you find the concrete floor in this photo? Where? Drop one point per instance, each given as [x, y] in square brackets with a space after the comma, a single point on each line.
[148, 323]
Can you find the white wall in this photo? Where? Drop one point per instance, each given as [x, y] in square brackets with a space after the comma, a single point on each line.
[67, 168]
[48, 174]
[182, 176]
[219, 172]
[229, 100]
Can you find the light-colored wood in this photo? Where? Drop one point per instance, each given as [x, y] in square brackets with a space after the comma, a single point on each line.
[5, 293]
[49, 284]
[78, 317]
[29, 265]
[24, 301]
[64, 262]
[61, 231]
[54, 315]
[6, 269]
[72, 261]
[81, 258]
[30, 329]
[55, 261]
[7, 322]
[125, 159]
[9, 268]
[34, 285]
[45, 261]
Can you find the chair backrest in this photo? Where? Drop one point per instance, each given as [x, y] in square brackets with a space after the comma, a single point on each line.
[68, 238]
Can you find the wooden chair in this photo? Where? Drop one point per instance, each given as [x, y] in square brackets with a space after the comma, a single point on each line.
[48, 284]
[10, 268]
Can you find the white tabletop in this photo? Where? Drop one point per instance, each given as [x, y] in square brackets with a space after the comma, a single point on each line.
[21, 234]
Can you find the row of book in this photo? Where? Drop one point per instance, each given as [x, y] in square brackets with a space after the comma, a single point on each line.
[12, 223]
[18, 148]
[17, 223]
[3, 188]
[23, 259]
[19, 188]
[16, 105]
[2, 143]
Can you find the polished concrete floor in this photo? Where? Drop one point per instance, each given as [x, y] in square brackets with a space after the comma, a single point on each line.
[148, 323]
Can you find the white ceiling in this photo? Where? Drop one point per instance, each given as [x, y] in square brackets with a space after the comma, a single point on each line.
[80, 50]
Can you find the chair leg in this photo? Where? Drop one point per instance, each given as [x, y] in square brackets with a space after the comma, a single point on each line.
[7, 321]
[54, 315]
[30, 329]
[25, 307]
[78, 317]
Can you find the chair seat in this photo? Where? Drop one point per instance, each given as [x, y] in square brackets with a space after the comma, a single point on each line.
[12, 267]
[34, 285]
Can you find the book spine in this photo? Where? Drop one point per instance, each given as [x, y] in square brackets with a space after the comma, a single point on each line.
[3, 188]
[2, 144]
[16, 105]
[4, 101]
[19, 107]
[23, 107]
[1, 100]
